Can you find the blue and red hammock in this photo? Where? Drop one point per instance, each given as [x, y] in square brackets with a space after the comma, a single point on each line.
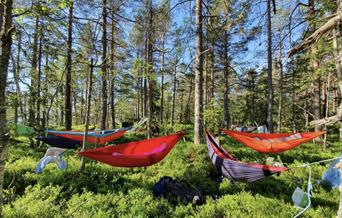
[74, 139]
[236, 170]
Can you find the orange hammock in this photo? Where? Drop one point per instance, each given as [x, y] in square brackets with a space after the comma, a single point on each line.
[274, 142]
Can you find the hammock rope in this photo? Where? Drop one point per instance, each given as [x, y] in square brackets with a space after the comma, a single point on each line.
[309, 189]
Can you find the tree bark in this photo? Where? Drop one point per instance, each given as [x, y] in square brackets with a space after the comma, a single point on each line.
[269, 70]
[45, 120]
[104, 66]
[149, 57]
[188, 112]
[5, 55]
[198, 74]
[38, 118]
[338, 64]
[162, 80]
[280, 66]
[226, 82]
[16, 75]
[68, 76]
[112, 70]
[316, 35]
[1, 14]
[174, 81]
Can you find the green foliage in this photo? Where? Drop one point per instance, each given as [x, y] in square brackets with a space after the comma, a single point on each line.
[104, 191]
[212, 116]
[37, 201]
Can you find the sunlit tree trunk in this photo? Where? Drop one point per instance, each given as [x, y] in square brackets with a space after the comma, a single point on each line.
[198, 74]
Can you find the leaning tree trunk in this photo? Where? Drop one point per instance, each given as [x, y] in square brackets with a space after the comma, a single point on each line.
[5, 55]
[269, 69]
[198, 74]
[68, 79]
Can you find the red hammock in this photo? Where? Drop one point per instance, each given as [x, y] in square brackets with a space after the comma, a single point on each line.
[272, 143]
[135, 154]
[93, 138]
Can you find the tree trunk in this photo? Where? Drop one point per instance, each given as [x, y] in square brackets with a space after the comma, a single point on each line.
[162, 80]
[293, 108]
[317, 90]
[68, 79]
[269, 70]
[181, 106]
[198, 74]
[17, 76]
[174, 80]
[280, 66]
[212, 74]
[87, 115]
[104, 66]
[149, 70]
[34, 77]
[5, 55]
[45, 92]
[1, 14]
[188, 112]
[206, 73]
[112, 70]
[338, 64]
[226, 82]
[38, 118]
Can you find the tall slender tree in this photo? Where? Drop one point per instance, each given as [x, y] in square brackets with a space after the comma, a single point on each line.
[104, 66]
[226, 81]
[269, 69]
[34, 71]
[149, 61]
[68, 76]
[198, 73]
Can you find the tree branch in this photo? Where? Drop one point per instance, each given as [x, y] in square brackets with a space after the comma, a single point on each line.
[330, 24]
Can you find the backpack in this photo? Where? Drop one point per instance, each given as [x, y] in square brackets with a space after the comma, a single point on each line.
[174, 189]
